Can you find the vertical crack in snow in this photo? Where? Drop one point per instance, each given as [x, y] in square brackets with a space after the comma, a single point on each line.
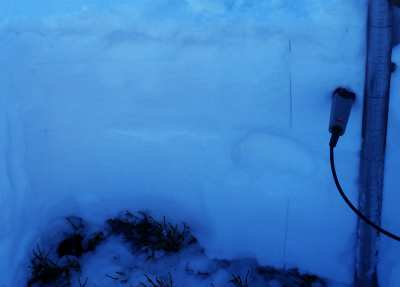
[290, 85]
[285, 240]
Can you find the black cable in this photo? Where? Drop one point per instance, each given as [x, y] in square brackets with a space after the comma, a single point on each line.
[355, 210]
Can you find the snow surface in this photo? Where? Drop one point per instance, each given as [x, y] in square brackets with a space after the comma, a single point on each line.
[212, 112]
[389, 265]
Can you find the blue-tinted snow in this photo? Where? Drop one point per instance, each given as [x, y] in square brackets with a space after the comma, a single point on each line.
[210, 112]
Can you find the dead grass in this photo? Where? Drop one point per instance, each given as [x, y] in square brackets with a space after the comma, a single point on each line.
[146, 234]
[45, 271]
[158, 281]
[239, 281]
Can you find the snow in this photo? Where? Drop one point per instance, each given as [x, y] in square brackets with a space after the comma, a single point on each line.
[212, 112]
[389, 266]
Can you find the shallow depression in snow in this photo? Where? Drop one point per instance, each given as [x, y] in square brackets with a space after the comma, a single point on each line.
[259, 151]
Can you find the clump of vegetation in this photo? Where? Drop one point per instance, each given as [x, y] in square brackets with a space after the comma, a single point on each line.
[46, 272]
[77, 243]
[141, 230]
[50, 272]
[306, 279]
[94, 240]
[239, 281]
[71, 246]
[149, 235]
[153, 237]
[158, 282]
[292, 277]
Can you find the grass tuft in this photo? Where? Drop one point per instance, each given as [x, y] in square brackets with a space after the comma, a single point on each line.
[239, 281]
[45, 271]
[291, 277]
[149, 235]
[158, 281]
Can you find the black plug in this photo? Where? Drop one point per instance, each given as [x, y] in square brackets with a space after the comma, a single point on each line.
[335, 135]
[342, 102]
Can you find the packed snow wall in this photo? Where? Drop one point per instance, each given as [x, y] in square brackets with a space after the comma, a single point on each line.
[211, 112]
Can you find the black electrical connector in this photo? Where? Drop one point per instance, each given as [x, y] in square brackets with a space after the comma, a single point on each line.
[343, 100]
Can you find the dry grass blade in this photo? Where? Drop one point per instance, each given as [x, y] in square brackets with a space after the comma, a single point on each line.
[158, 282]
[238, 281]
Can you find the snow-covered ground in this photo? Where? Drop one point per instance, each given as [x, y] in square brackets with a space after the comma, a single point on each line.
[210, 112]
[135, 249]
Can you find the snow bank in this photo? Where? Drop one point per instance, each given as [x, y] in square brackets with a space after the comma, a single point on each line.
[214, 112]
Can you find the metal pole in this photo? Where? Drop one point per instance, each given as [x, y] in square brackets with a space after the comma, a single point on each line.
[376, 100]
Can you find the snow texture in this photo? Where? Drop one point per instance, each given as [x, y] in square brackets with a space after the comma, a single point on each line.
[212, 112]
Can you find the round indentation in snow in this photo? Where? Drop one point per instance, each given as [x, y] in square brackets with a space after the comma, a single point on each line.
[274, 154]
